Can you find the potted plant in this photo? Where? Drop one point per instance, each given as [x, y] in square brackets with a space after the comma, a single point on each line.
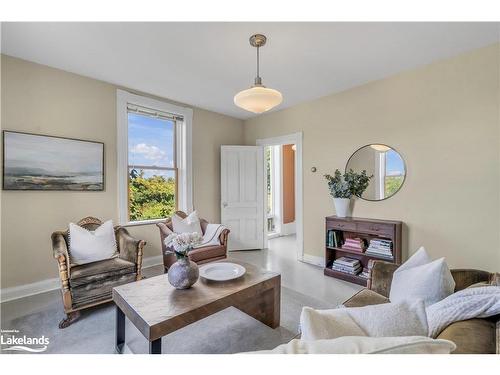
[344, 187]
[183, 273]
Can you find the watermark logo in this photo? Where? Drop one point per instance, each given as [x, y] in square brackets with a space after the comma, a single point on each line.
[12, 340]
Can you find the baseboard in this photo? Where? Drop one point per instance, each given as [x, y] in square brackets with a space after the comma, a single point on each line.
[26, 290]
[288, 229]
[152, 261]
[314, 260]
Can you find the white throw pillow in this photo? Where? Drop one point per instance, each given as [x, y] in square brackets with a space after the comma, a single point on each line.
[421, 278]
[386, 319]
[190, 224]
[91, 246]
[366, 345]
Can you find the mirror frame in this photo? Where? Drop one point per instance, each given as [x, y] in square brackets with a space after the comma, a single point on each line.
[404, 165]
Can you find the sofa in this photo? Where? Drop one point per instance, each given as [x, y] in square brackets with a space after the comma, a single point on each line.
[473, 336]
[91, 284]
[199, 255]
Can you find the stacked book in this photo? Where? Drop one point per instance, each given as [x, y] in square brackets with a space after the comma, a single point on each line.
[380, 248]
[356, 244]
[347, 265]
[333, 238]
[364, 273]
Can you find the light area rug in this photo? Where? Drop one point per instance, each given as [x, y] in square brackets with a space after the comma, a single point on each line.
[228, 331]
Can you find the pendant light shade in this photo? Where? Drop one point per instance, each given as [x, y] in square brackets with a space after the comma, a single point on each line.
[258, 98]
[380, 148]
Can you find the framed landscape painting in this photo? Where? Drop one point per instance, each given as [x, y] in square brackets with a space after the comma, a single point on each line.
[40, 162]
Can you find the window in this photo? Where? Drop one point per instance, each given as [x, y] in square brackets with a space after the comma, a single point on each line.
[269, 189]
[389, 169]
[152, 167]
[273, 188]
[154, 171]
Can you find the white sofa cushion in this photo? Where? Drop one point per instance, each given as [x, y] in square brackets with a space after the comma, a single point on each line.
[387, 319]
[366, 345]
[421, 278]
[91, 246]
[190, 224]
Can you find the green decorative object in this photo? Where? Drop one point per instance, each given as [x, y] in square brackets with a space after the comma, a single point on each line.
[344, 187]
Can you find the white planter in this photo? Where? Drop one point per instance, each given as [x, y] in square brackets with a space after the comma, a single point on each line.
[342, 207]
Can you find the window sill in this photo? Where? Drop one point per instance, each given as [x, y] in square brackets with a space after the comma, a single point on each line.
[143, 222]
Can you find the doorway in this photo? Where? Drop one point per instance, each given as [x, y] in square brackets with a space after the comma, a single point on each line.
[283, 194]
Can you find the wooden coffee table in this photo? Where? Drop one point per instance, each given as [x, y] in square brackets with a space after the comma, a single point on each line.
[156, 308]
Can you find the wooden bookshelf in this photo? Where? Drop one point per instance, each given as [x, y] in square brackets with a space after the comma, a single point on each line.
[366, 229]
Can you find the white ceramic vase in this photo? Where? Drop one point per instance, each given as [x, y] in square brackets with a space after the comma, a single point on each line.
[342, 207]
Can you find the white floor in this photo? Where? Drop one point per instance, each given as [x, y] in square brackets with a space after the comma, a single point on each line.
[280, 257]
[299, 276]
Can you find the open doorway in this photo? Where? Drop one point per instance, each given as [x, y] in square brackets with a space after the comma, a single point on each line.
[280, 190]
[283, 195]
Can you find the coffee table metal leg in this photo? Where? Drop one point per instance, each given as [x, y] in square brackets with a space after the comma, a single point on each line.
[120, 330]
[155, 346]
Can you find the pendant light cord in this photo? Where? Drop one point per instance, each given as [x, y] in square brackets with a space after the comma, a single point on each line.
[258, 57]
[258, 80]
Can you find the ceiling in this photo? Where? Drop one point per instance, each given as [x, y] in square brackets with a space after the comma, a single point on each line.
[205, 64]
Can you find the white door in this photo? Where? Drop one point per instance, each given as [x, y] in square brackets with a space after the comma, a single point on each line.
[242, 196]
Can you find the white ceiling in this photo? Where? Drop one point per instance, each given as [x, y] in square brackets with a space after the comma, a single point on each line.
[205, 64]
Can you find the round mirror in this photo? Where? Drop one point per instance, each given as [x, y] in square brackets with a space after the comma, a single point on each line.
[385, 165]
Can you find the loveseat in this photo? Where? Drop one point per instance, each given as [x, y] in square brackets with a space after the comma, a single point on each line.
[473, 336]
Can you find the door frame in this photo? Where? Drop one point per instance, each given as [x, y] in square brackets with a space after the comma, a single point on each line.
[296, 139]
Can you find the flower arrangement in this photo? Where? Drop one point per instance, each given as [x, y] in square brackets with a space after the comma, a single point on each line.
[347, 185]
[182, 243]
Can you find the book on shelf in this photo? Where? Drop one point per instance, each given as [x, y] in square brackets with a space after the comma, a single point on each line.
[333, 238]
[356, 244]
[342, 266]
[349, 262]
[381, 256]
[347, 265]
[380, 244]
[364, 275]
[380, 248]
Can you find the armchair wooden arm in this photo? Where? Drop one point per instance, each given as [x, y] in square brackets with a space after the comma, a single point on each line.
[60, 253]
[223, 237]
[130, 248]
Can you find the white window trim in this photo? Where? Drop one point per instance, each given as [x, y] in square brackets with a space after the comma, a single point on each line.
[184, 152]
[380, 158]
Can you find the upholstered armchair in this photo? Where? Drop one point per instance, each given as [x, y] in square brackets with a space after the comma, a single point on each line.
[90, 284]
[473, 336]
[200, 255]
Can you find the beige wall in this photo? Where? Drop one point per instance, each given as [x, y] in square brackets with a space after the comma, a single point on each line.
[444, 120]
[39, 99]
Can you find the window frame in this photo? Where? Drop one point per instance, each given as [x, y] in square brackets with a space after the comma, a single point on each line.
[182, 146]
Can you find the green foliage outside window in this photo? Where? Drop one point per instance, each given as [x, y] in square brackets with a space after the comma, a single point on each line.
[392, 184]
[150, 197]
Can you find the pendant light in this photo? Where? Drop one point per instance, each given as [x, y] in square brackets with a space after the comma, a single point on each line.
[258, 98]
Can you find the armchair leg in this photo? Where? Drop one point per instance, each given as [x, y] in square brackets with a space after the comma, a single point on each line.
[70, 319]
